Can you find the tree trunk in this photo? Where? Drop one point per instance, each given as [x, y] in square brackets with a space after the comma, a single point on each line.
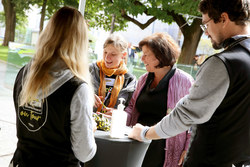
[192, 34]
[10, 21]
[42, 15]
[112, 24]
[192, 37]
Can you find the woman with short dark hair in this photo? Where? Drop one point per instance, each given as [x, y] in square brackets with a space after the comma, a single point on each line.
[156, 94]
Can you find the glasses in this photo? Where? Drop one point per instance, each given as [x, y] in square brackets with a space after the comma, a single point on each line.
[204, 25]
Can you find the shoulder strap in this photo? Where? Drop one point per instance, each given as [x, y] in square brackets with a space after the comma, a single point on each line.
[235, 42]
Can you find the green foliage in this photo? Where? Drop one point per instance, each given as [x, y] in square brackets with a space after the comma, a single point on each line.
[53, 5]
[72, 3]
[99, 12]
[21, 19]
[20, 8]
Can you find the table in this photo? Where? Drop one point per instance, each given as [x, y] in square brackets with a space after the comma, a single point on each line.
[122, 152]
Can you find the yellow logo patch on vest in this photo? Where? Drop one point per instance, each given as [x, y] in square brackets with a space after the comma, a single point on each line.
[33, 115]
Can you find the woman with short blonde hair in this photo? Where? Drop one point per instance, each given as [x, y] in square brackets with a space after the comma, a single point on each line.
[110, 75]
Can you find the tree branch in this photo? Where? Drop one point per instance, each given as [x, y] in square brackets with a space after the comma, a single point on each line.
[182, 23]
[142, 26]
[178, 19]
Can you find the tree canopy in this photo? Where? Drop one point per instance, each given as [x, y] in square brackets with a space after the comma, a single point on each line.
[99, 14]
[14, 13]
[12, 8]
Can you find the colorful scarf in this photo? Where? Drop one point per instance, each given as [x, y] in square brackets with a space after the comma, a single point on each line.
[119, 80]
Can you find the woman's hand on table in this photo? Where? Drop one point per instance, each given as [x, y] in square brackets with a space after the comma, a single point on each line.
[136, 132]
[143, 133]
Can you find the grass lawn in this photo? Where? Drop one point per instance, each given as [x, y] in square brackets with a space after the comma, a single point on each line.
[18, 58]
[4, 53]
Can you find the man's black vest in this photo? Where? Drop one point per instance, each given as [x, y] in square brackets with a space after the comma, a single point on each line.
[43, 128]
[225, 138]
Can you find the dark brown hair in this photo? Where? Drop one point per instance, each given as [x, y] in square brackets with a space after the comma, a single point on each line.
[164, 48]
[237, 10]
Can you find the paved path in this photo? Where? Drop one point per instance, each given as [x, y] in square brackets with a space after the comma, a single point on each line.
[7, 115]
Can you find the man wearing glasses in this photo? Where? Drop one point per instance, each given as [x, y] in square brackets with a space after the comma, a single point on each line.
[218, 106]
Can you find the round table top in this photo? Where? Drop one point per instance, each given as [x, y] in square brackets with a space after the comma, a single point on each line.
[99, 134]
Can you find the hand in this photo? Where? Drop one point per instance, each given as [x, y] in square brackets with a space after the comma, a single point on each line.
[182, 157]
[108, 111]
[105, 115]
[98, 101]
[136, 132]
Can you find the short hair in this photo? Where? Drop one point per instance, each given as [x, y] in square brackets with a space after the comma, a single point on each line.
[165, 49]
[237, 10]
[117, 41]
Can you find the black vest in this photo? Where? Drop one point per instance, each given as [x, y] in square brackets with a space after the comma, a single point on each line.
[225, 138]
[43, 128]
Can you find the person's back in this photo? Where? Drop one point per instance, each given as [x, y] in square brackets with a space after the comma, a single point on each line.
[37, 141]
[53, 97]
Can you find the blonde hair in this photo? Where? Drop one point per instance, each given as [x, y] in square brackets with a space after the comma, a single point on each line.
[117, 41]
[65, 37]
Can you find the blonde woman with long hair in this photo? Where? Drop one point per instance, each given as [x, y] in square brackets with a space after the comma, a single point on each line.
[54, 99]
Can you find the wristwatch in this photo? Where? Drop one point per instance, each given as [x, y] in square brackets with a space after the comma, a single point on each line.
[143, 134]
